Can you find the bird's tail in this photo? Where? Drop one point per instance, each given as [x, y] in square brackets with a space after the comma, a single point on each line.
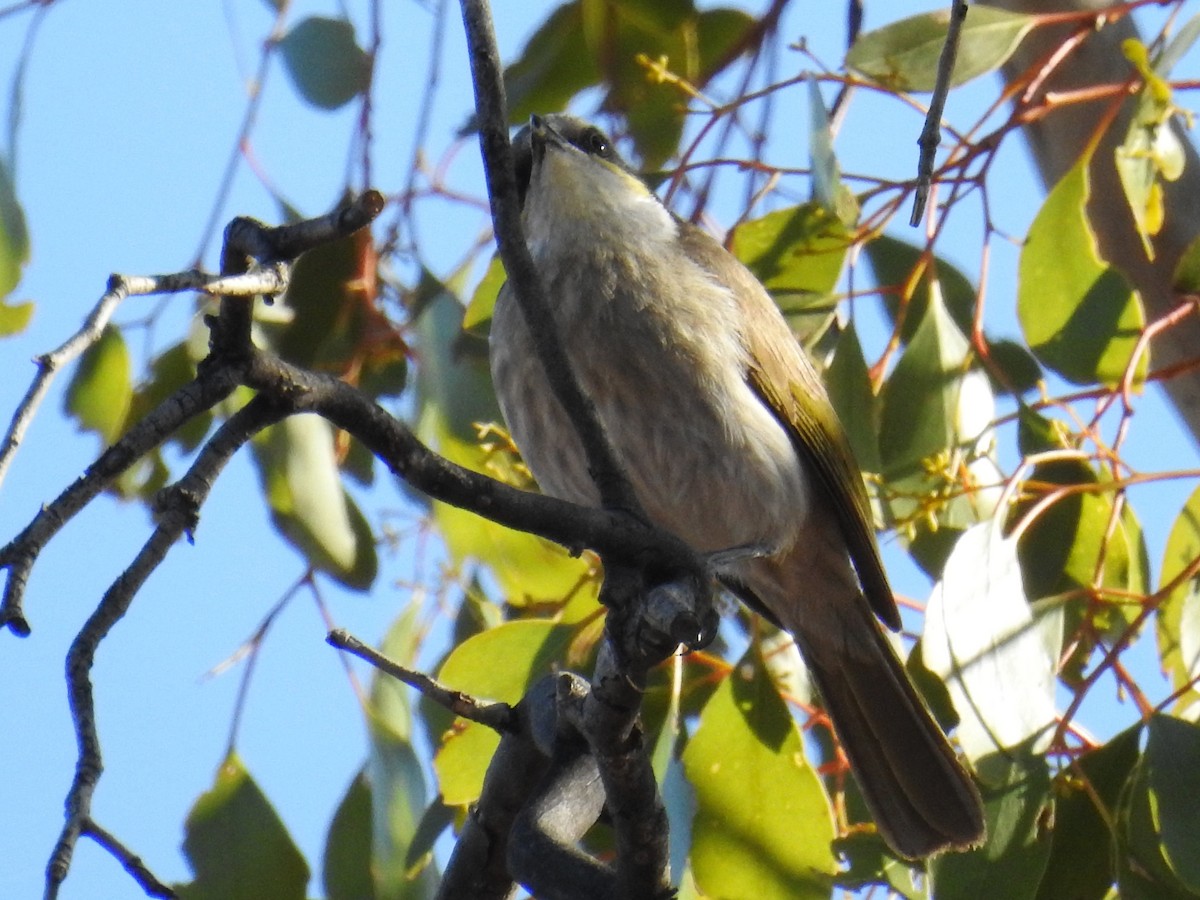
[919, 794]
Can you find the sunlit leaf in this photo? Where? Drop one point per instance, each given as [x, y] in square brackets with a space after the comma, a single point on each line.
[1178, 620]
[309, 505]
[981, 637]
[326, 65]
[923, 398]
[904, 55]
[762, 826]
[14, 240]
[1082, 844]
[478, 316]
[1017, 805]
[1079, 316]
[237, 846]
[528, 649]
[15, 317]
[827, 188]
[101, 390]
[895, 262]
[795, 250]
[1151, 152]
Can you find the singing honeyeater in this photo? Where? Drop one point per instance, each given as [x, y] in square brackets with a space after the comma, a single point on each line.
[725, 430]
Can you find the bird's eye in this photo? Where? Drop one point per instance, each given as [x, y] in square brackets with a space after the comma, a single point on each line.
[597, 143]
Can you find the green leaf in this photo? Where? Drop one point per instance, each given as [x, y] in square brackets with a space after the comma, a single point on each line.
[101, 390]
[893, 263]
[1186, 279]
[237, 846]
[14, 318]
[326, 65]
[346, 865]
[1017, 804]
[478, 316]
[395, 775]
[14, 242]
[981, 637]
[762, 826]
[1079, 315]
[1178, 621]
[552, 68]
[923, 400]
[904, 55]
[795, 250]
[827, 187]
[300, 477]
[1151, 153]
[529, 648]
[1061, 549]
[1082, 846]
[849, 386]
[1173, 777]
[1143, 872]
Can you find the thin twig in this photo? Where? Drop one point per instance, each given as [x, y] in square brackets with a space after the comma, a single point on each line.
[493, 714]
[177, 514]
[931, 134]
[134, 865]
[491, 113]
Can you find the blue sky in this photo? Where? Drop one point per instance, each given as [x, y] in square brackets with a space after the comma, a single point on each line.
[130, 113]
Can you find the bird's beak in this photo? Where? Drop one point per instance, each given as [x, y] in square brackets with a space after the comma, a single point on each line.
[542, 135]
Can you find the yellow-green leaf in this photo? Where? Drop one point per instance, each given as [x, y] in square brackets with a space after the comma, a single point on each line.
[101, 389]
[795, 250]
[498, 664]
[763, 826]
[14, 318]
[904, 55]
[1178, 621]
[1079, 316]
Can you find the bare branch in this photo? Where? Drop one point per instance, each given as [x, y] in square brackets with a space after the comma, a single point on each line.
[931, 134]
[493, 714]
[177, 514]
[492, 117]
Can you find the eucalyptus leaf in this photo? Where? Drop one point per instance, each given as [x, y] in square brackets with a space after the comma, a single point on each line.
[904, 55]
[299, 472]
[237, 846]
[101, 390]
[762, 826]
[1086, 797]
[981, 637]
[1079, 316]
[1017, 804]
[14, 236]
[1178, 620]
[326, 65]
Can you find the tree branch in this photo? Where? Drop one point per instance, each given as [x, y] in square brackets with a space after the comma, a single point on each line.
[177, 513]
[492, 117]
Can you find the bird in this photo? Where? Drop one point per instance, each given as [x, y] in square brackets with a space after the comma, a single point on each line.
[723, 427]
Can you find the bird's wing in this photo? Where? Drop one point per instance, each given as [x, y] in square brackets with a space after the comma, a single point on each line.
[785, 380]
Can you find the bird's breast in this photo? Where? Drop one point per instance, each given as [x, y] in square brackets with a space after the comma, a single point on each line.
[659, 347]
